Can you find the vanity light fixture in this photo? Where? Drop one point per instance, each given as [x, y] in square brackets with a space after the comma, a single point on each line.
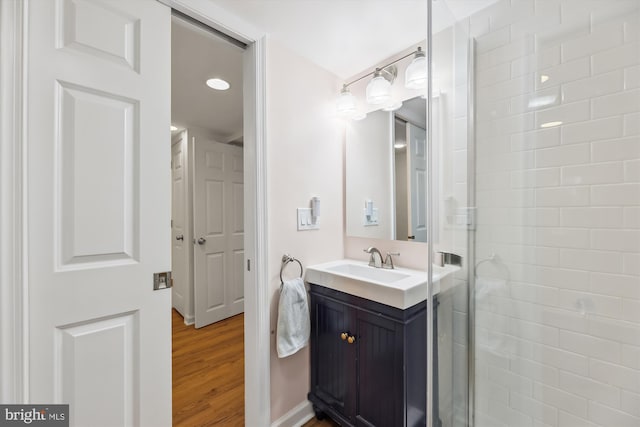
[416, 75]
[218, 84]
[346, 103]
[379, 87]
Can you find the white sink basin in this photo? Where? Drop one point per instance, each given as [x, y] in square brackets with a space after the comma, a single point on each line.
[401, 287]
[368, 273]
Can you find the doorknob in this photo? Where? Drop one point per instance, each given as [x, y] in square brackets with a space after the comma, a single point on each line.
[179, 237]
[201, 240]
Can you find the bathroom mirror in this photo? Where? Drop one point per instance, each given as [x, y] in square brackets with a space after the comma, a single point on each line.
[385, 174]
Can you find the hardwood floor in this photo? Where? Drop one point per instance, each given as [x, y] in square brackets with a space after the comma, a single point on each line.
[208, 373]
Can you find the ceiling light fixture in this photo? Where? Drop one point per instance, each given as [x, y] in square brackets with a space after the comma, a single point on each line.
[379, 87]
[218, 84]
[173, 128]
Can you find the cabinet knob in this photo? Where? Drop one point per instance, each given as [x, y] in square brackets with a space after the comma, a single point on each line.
[344, 336]
[351, 339]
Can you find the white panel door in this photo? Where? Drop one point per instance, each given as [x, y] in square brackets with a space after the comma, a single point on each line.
[218, 231]
[98, 215]
[417, 156]
[182, 293]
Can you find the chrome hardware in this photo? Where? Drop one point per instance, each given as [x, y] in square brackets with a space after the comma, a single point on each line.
[179, 237]
[388, 262]
[201, 240]
[445, 258]
[372, 259]
[162, 280]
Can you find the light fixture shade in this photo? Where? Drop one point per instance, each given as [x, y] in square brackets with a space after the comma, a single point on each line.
[416, 75]
[346, 103]
[378, 90]
[218, 84]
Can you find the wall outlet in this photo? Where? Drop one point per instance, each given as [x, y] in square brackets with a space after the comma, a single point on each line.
[306, 221]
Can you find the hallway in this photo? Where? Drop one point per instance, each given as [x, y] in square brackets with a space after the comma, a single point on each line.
[208, 373]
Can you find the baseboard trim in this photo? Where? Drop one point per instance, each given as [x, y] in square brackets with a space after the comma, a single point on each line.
[296, 417]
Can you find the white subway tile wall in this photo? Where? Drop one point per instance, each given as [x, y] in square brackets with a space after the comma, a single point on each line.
[558, 196]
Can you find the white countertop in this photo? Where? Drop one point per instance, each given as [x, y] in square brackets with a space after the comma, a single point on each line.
[401, 287]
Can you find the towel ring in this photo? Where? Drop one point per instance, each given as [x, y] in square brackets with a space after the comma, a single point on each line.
[494, 259]
[286, 259]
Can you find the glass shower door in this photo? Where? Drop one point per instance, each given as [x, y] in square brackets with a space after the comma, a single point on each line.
[552, 149]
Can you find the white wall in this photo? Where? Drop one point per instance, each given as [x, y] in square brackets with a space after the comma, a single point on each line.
[559, 343]
[305, 158]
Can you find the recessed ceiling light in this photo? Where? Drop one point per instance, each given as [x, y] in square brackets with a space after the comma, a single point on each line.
[218, 84]
[173, 128]
[544, 78]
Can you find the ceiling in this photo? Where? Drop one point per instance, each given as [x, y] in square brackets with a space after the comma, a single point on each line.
[197, 55]
[344, 37]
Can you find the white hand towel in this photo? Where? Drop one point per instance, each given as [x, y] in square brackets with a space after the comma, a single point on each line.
[294, 324]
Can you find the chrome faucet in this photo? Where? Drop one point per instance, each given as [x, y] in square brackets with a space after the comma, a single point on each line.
[372, 259]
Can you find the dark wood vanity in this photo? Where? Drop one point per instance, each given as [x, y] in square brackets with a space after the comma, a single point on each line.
[368, 361]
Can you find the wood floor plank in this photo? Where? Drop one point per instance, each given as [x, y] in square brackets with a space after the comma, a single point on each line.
[208, 373]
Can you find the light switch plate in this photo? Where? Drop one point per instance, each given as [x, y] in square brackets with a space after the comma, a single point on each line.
[372, 220]
[306, 221]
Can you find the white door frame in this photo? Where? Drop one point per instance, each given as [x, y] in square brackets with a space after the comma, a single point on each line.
[14, 309]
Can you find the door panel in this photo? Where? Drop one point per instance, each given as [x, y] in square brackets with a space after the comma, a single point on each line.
[417, 146]
[180, 235]
[219, 223]
[380, 370]
[99, 210]
[333, 359]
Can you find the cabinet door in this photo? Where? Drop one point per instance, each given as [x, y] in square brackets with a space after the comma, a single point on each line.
[332, 358]
[380, 371]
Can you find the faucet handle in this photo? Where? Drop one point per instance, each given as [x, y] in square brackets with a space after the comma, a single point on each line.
[388, 262]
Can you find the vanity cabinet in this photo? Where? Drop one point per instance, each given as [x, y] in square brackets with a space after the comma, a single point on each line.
[368, 360]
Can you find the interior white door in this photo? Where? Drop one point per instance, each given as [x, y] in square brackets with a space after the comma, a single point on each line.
[182, 294]
[417, 156]
[218, 231]
[98, 215]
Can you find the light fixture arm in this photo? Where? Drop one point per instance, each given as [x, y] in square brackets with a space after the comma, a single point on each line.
[415, 52]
